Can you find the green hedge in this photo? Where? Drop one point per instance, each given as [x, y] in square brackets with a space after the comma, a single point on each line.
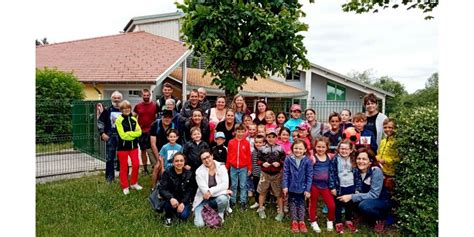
[416, 191]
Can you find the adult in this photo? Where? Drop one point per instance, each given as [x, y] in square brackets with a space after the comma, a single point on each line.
[158, 138]
[108, 133]
[240, 108]
[212, 182]
[217, 114]
[187, 111]
[199, 120]
[176, 188]
[259, 115]
[145, 111]
[295, 120]
[373, 199]
[227, 126]
[317, 128]
[374, 117]
[204, 103]
[167, 91]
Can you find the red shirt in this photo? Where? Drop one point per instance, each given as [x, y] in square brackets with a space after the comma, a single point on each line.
[146, 114]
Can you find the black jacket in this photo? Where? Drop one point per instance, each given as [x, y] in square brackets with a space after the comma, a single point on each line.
[129, 131]
[219, 152]
[104, 123]
[161, 104]
[180, 187]
[192, 152]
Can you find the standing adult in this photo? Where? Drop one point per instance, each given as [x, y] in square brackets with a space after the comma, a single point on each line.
[217, 114]
[145, 111]
[204, 103]
[317, 128]
[259, 115]
[187, 111]
[167, 91]
[227, 126]
[176, 188]
[212, 182]
[374, 117]
[240, 108]
[295, 119]
[108, 133]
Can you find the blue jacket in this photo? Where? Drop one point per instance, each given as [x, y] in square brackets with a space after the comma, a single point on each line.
[334, 177]
[297, 179]
[373, 140]
[291, 124]
[372, 186]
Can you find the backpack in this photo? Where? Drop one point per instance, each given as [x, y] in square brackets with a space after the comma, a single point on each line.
[158, 125]
[157, 203]
[211, 217]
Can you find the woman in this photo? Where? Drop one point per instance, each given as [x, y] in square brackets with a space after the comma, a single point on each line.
[373, 199]
[217, 114]
[129, 131]
[176, 188]
[227, 126]
[197, 120]
[317, 128]
[240, 108]
[259, 115]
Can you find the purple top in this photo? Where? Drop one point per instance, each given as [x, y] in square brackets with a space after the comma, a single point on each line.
[321, 173]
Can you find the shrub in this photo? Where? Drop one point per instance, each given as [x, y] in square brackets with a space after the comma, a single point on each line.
[55, 90]
[416, 191]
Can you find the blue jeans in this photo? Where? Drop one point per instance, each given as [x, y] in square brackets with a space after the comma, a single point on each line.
[111, 154]
[220, 203]
[170, 211]
[238, 177]
[375, 209]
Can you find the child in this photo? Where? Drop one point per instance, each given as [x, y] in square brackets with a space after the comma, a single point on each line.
[193, 148]
[294, 135]
[320, 185]
[297, 178]
[127, 145]
[239, 163]
[270, 119]
[367, 137]
[346, 121]
[388, 154]
[281, 119]
[284, 140]
[341, 182]
[247, 120]
[251, 134]
[295, 119]
[270, 159]
[219, 150]
[261, 130]
[256, 170]
[335, 133]
[303, 134]
[168, 150]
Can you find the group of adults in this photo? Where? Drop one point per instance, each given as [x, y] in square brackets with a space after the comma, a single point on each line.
[211, 178]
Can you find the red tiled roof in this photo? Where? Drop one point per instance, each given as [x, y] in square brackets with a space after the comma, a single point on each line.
[136, 57]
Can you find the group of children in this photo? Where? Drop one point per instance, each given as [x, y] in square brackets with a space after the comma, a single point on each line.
[291, 165]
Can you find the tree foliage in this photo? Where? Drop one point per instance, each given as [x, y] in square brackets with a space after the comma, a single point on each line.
[386, 83]
[363, 6]
[244, 39]
[44, 41]
[55, 90]
[423, 97]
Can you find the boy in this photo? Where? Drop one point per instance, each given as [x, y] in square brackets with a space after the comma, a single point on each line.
[270, 159]
[193, 148]
[367, 137]
[335, 133]
[295, 119]
[166, 155]
[259, 142]
[261, 130]
[239, 163]
[218, 150]
[252, 133]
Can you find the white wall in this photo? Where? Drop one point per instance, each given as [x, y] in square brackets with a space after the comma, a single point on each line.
[167, 29]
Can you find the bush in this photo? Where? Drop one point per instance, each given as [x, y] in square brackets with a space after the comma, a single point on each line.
[55, 91]
[417, 174]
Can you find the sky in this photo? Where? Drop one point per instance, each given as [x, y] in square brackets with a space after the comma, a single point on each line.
[395, 43]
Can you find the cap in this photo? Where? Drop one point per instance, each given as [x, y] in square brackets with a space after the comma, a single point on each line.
[304, 126]
[270, 131]
[295, 107]
[219, 135]
[167, 113]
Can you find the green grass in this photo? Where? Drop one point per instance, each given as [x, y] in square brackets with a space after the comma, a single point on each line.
[53, 147]
[90, 207]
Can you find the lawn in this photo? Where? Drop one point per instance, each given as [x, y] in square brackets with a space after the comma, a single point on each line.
[53, 147]
[89, 207]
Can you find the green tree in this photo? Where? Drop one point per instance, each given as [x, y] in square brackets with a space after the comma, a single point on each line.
[244, 39]
[363, 6]
[386, 83]
[423, 97]
[367, 76]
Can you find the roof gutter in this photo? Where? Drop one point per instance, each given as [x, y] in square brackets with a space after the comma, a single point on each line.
[170, 69]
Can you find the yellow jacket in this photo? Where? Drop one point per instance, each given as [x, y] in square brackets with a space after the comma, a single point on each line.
[129, 131]
[389, 154]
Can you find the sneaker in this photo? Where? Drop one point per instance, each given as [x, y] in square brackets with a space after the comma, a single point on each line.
[351, 226]
[339, 228]
[243, 207]
[315, 227]
[126, 191]
[302, 226]
[255, 205]
[330, 226]
[229, 210]
[279, 216]
[261, 213]
[379, 226]
[325, 209]
[168, 222]
[285, 208]
[136, 187]
[294, 227]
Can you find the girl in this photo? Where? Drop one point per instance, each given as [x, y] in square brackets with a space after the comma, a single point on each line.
[303, 134]
[346, 119]
[297, 178]
[388, 154]
[270, 119]
[335, 133]
[129, 131]
[294, 135]
[259, 115]
[284, 140]
[320, 185]
[341, 182]
[240, 108]
[247, 120]
[281, 119]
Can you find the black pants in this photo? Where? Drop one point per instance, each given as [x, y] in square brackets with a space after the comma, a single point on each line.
[348, 206]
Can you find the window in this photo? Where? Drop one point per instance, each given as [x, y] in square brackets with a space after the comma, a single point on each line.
[335, 92]
[134, 93]
[292, 76]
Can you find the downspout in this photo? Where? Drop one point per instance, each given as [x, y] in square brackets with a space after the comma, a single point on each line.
[98, 91]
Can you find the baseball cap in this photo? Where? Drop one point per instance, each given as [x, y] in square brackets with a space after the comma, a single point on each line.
[167, 113]
[295, 107]
[270, 131]
[219, 135]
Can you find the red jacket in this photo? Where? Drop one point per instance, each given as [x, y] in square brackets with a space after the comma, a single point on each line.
[238, 154]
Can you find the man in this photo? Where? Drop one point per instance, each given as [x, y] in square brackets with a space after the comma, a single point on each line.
[158, 138]
[204, 102]
[167, 91]
[145, 111]
[188, 107]
[108, 133]
[374, 117]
